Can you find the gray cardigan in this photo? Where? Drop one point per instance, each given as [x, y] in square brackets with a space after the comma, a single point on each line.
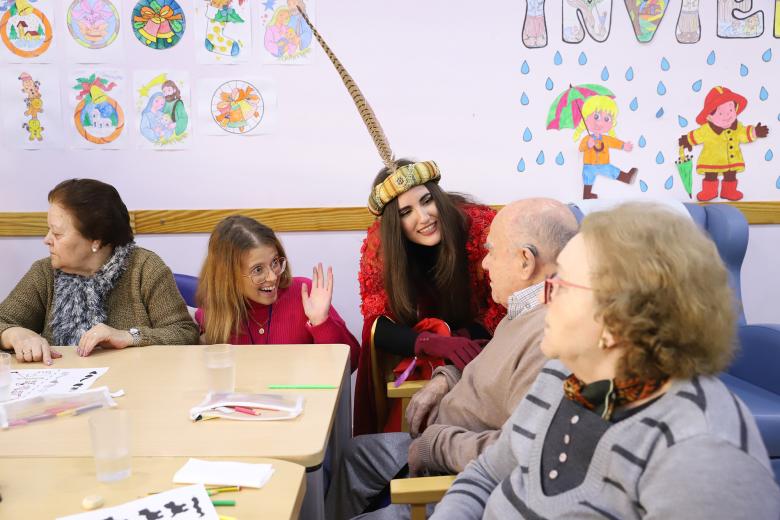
[693, 453]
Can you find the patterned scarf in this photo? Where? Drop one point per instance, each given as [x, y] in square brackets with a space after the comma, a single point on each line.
[80, 301]
[604, 396]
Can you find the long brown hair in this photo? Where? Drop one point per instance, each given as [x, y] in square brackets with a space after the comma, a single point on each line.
[219, 288]
[405, 275]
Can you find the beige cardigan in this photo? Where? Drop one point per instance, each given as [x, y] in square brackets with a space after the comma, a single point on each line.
[144, 297]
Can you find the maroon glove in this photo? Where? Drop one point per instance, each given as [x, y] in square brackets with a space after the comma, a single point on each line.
[460, 351]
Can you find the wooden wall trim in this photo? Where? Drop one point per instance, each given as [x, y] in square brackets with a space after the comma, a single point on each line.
[32, 224]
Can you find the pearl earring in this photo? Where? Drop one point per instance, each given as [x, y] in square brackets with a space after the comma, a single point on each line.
[94, 249]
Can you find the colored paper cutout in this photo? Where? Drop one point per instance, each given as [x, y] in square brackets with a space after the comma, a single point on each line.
[735, 22]
[162, 108]
[158, 24]
[596, 15]
[535, 25]
[237, 107]
[98, 117]
[688, 22]
[25, 30]
[93, 24]
[33, 102]
[287, 38]
[646, 16]
[227, 23]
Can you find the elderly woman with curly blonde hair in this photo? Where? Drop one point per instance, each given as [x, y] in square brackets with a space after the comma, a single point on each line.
[629, 419]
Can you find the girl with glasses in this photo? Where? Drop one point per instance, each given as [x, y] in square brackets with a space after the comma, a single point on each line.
[248, 296]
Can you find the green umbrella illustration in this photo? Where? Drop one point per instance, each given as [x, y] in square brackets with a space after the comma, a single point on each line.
[685, 168]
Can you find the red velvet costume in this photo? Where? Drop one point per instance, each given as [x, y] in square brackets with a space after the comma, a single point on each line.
[370, 405]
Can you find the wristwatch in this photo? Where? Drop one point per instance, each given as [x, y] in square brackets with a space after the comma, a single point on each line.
[136, 335]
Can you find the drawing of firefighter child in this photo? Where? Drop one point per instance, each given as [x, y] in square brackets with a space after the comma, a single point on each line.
[721, 134]
[599, 118]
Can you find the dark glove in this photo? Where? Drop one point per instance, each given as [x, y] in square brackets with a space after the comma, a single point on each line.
[762, 130]
[460, 351]
[683, 141]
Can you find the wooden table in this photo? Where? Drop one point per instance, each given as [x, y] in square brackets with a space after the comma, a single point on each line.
[54, 487]
[162, 383]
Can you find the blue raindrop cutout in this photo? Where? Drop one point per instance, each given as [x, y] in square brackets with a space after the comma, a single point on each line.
[642, 141]
[763, 95]
[777, 183]
[778, 117]
[604, 74]
[540, 158]
[660, 113]
[582, 60]
[630, 74]
[525, 69]
[743, 70]
[669, 183]
[711, 58]
[558, 59]
[767, 56]
[633, 105]
[696, 85]
[548, 84]
[768, 156]
[682, 121]
[559, 159]
[527, 135]
[521, 166]
[524, 99]
[659, 158]
[664, 64]
[661, 88]
[643, 186]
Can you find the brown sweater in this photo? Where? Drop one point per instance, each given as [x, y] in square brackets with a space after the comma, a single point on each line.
[485, 396]
[145, 297]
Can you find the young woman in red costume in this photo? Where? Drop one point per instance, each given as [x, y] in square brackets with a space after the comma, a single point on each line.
[421, 259]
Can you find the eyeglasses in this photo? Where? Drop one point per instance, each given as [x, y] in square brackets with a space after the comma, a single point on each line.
[551, 281]
[260, 273]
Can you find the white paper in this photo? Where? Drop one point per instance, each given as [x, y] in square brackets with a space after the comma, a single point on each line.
[94, 32]
[287, 38]
[29, 34]
[99, 123]
[32, 115]
[245, 106]
[32, 382]
[223, 31]
[163, 117]
[185, 503]
[218, 473]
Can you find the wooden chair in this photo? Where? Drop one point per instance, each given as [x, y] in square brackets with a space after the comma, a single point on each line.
[419, 492]
[404, 392]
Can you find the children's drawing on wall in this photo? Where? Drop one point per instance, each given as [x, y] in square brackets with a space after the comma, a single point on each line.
[158, 24]
[591, 110]
[597, 15]
[225, 29]
[645, 17]
[26, 31]
[287, 38]
[237, 107]
[688, 28]
[534, 25]
[734, 20]
[31, 107]
[162, 108]
[97, 114]
[94, 27]
[721, 135]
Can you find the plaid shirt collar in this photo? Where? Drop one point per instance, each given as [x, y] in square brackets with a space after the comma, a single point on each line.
[524, 300]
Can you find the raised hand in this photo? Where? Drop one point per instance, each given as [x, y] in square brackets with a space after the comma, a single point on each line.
[316, 304]
[628, 146]
[762, 130]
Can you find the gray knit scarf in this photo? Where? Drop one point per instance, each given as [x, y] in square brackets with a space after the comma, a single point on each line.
[80, 301]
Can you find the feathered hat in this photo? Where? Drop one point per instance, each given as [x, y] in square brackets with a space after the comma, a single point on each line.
[401, 179]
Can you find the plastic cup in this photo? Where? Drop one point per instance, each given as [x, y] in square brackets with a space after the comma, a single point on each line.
[221, 368]
[110, 432]
[5, 376]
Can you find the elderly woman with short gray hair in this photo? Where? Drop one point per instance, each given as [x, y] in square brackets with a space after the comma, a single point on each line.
[629, 419]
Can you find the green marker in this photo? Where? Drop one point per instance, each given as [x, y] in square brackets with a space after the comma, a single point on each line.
[223, 502]
[302, 387]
